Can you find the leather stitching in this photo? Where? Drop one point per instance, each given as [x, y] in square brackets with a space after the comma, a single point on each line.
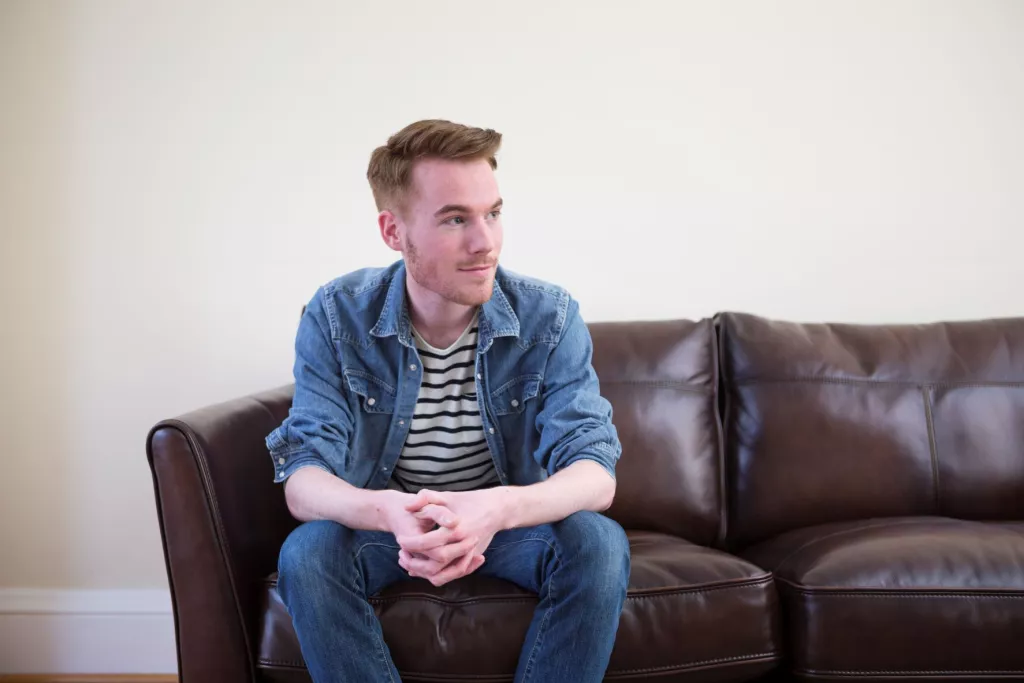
[721, 462]
[979, 594]
[663, 592]
[879, 382]
[906, 672]
[930, 421]
[704, 662]
[774, 654]
[641, 594]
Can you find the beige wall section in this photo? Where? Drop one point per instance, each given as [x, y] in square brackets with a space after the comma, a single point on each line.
[41, 507]
[177, 177]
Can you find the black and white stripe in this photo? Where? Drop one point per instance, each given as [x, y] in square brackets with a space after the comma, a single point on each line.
[446, 449]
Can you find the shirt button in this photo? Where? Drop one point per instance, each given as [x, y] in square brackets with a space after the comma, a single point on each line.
[371, 401]
[479, 376]
[384, 469]
[401, 423]
[491, 430]
[280, 461]
[413, 368]
[515, 403]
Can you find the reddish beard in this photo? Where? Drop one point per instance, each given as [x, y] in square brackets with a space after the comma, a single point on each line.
[427, 276]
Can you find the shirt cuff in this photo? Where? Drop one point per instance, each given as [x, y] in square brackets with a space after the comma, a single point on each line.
[287, 465]
[604, 459]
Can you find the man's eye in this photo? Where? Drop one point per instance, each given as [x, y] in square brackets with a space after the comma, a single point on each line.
[455, 220]
[494, 214]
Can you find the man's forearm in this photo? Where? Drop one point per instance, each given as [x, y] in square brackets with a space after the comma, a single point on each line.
[313, 493]
[583, 485]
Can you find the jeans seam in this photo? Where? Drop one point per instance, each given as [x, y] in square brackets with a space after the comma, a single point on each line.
[526, 540]
[369, 614]
[541, 630]
[355, 557]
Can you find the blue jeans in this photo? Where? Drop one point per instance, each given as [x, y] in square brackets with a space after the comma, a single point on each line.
[578, 567]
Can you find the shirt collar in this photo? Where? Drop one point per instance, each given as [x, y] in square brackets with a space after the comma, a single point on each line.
[497, 319]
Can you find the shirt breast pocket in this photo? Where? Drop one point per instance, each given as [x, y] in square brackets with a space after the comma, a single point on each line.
[516, 396]
[375, 396]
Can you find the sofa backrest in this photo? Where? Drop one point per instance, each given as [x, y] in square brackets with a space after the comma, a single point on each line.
[662, 381]
[827, 423]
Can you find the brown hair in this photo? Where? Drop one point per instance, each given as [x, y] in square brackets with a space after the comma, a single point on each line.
[391, 165]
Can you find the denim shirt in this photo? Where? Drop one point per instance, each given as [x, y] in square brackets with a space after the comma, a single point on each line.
[358, 374]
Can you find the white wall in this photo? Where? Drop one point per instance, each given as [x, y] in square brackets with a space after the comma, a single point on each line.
[177, 178]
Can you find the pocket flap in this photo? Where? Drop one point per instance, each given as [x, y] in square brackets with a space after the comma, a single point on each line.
[374, 395]
[512, 396]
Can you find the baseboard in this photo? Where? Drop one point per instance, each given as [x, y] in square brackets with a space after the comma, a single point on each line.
[70, 678]
[78, 632]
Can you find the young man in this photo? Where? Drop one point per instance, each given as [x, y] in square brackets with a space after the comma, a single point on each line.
[446, 421]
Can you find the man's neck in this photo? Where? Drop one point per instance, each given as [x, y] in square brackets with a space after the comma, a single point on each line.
[439, 321]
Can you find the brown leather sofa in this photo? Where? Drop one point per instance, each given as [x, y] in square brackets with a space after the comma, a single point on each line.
[803, 502]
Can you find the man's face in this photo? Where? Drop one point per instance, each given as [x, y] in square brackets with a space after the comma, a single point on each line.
[449, 231]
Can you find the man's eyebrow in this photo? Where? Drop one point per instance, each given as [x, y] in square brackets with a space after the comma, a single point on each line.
[459, 208]
[451, 208]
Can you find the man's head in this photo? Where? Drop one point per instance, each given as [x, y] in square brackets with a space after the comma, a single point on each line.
[439, 205]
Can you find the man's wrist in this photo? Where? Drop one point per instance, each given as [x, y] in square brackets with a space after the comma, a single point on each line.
[509, 506]
[380, 503]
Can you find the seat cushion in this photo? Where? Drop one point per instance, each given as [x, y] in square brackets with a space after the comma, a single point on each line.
[691, 613]
[913, 596]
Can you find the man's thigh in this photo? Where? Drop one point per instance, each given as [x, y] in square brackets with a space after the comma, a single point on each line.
[520, 555]
[588, 544]
[375, 556]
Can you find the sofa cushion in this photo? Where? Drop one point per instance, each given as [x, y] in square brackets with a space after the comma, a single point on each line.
[691, 613]
[829, 423]
[662, 381]
[911, 596]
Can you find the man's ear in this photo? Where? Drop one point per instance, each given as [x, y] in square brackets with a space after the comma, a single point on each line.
[388, 224]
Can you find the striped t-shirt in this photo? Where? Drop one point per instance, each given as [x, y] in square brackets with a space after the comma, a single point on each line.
[446, 449]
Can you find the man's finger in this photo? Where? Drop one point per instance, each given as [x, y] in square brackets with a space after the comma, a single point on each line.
[430, 540]
[439, 514]
[424, 497]
[425, 568]
[421, 567]
[417, 502]
[417, 565]
[448, 553]
[471, 563]
[403, 562]
[450, 573]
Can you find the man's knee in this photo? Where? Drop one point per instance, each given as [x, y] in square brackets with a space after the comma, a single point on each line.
[311, 552]
[598, 548]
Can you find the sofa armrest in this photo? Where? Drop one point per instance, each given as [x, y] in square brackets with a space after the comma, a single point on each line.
[222, 521]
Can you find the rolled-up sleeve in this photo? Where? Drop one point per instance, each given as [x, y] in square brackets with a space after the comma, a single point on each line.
[318, 427]
[575, 421]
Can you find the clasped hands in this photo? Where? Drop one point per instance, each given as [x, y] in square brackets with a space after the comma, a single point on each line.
[443, 535]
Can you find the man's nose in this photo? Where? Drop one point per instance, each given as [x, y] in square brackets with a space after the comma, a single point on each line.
[480, 237]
